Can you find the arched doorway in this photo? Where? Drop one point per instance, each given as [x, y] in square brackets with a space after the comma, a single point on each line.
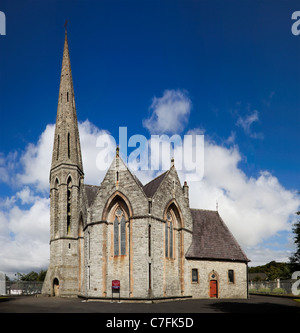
[56, 287]
[213, 284]
[213, 289]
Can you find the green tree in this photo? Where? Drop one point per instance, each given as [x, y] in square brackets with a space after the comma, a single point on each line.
[32, 276]
[273, 270]
[42, 275]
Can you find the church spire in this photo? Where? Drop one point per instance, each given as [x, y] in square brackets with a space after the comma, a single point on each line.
[66, 149]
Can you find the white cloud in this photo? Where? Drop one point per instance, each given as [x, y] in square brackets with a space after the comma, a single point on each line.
[170, 113]
[254, 208]
[26, 196]
[25, 216]
[7, 165]
[94, 168]
[36, 161]
[24, 241]
[261, 254]
[246, 123]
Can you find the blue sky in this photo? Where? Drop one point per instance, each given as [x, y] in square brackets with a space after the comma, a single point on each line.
[237, 64]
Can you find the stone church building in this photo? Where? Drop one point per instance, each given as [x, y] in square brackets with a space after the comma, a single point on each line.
[145, 236]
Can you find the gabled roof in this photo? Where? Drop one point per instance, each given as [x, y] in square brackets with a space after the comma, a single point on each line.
[212, 239]
[151, 188]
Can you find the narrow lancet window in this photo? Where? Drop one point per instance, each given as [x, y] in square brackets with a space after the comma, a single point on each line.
[69, 204]
[116, 237]
[149, 240]
[119, 227]
[171, 241]
[68, 211]
[123, 236]
[169, 236]
[166, 239]
[57, 156]
[68, 145]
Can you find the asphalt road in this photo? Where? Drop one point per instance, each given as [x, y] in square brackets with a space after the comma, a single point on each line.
[255, 304]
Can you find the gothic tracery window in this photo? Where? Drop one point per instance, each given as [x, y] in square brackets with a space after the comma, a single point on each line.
[119, 227]
[169, 233]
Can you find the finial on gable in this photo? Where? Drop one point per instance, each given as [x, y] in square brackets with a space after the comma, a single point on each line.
[117, 151]
[172, 162]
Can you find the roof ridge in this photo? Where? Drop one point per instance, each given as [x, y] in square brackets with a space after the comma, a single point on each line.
[205, 210]
[156, 177]
[151, 188]
[91, 185]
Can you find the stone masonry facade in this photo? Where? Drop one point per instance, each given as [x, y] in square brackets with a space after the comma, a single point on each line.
[145, 236]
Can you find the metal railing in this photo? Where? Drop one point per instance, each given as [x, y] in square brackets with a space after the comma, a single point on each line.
[23, 287]
[278, 286]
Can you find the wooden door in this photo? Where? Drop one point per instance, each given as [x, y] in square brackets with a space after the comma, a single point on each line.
[213, 288]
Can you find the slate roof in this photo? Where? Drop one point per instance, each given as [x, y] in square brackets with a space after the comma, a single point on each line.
[212, 239]
[91, 192]
[151, 188]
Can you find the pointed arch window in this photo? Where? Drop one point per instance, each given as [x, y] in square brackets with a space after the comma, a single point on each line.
[57, 156]
[68, 145]
[56, 206]
[169, 235]
[69, 204]
[119, 227]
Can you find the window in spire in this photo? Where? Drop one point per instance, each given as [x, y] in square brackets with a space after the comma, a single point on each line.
[149, 240]
[67, 96]
[68, 145]
[57, 147]
[68, 211]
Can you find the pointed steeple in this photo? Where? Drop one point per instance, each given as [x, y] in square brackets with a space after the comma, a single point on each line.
[66, 149]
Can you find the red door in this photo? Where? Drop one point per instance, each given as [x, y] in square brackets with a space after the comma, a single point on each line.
[213, 288]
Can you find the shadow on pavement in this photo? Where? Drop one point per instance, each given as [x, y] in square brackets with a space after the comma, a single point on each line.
[6, 299]
[241, 307]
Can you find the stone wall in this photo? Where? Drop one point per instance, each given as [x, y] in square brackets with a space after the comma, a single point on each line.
[226, 289]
